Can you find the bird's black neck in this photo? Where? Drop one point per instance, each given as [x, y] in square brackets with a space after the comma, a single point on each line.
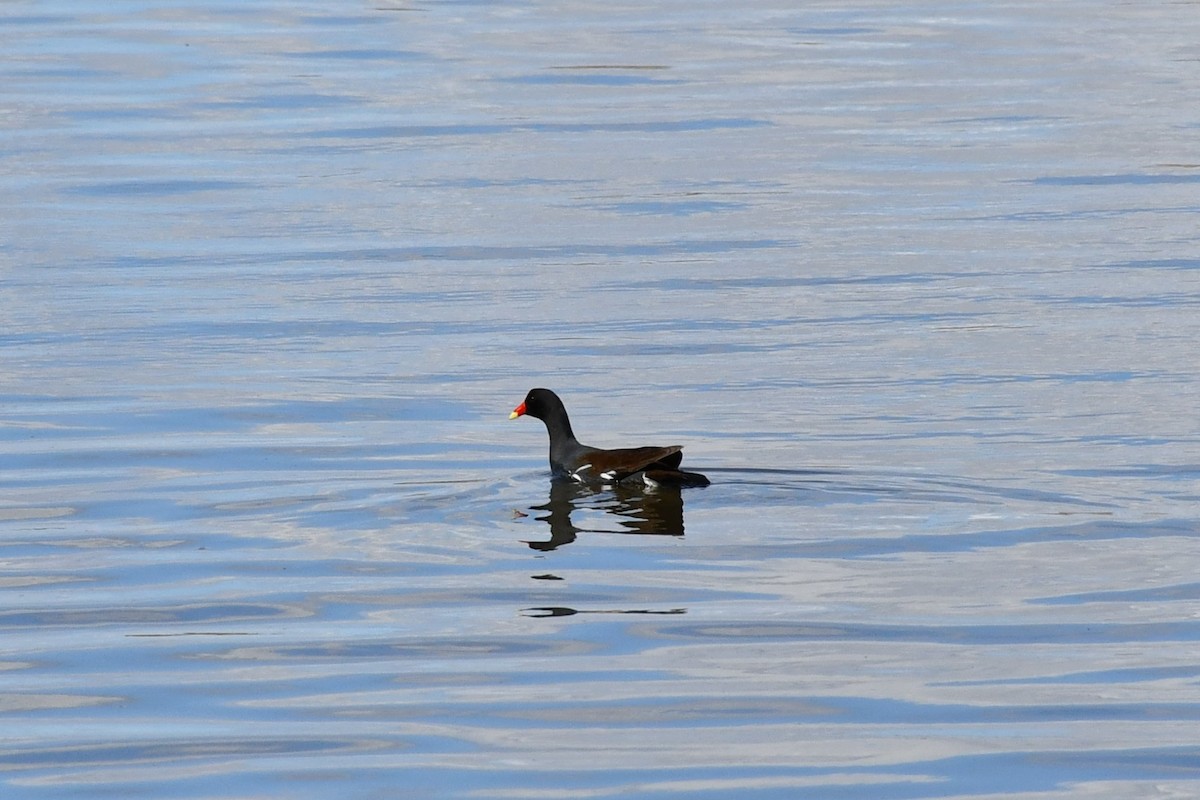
[563, 444]
[558, 425]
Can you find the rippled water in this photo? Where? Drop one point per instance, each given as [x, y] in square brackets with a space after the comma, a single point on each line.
[917, 287]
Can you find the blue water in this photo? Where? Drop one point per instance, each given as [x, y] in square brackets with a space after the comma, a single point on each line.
[916, 287]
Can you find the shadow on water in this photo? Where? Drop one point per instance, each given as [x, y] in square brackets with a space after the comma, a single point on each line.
[573, 509]
[766, 495]
[657, 512]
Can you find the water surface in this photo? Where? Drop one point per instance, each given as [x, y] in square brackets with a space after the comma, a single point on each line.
[917, 287]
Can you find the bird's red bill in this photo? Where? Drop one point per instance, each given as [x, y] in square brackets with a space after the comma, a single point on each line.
[519, 411]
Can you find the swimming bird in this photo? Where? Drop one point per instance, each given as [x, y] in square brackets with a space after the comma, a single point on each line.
[656, 466]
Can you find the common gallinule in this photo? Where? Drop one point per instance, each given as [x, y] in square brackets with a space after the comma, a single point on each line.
[657, 466]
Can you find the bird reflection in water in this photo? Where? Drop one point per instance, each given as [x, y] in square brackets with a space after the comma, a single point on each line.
[657, 512]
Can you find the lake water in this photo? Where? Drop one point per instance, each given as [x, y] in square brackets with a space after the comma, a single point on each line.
[917, 285]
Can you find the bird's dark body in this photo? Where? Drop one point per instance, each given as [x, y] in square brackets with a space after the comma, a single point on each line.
[571, 459]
